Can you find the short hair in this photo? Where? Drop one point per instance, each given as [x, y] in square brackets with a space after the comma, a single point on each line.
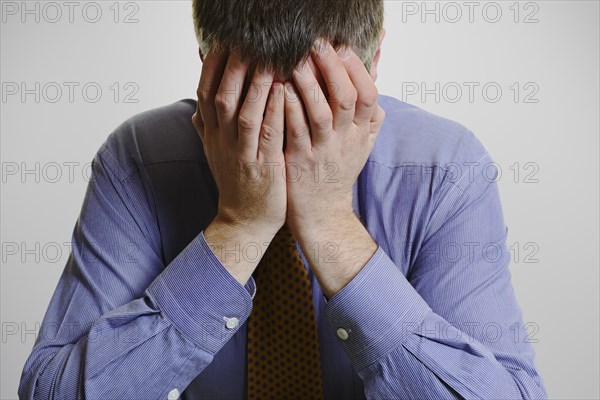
[279, 34]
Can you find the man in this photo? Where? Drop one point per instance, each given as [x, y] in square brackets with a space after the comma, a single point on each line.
[292, 234]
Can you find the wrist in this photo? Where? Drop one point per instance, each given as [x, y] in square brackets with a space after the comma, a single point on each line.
[237, 247]
[327, 219]
[252, 228]
[337, 250]
[327, 232]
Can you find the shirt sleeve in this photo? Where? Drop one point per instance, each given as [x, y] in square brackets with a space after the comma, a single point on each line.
[453, 327]
[120, 323]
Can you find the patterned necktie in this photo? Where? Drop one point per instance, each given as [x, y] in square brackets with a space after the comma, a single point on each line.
[284, 361]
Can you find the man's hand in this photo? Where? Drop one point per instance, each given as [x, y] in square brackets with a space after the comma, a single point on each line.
[244, 151]
[326, 149]
[326, 153]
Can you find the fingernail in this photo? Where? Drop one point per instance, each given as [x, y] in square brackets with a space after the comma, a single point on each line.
[344, 53]
[289, 89]
[277, 88]
[290, 92]
[302, 68]
[321, 46]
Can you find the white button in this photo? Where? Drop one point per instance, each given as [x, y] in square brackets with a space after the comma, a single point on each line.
[232, 323]
[173, 395]
[342, 333]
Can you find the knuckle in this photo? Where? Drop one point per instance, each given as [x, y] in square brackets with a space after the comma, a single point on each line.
[197, 121]
[322, 121]
[268, 134]
[380, 116]
[246, 123]
[265, 148]
[349, 101]
[234, 63]
[369, 100]
[203, 95]
[205, 92]
[299, 132]
[268, 140]
[199, 125]
[222, 105]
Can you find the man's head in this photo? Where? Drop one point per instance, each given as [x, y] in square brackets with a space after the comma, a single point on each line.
[279, 34]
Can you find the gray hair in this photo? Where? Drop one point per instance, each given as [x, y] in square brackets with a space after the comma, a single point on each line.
[279, 34]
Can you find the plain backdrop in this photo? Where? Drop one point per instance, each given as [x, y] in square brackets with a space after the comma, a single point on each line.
[524, 76]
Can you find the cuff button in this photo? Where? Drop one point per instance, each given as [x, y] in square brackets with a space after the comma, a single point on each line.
[342, 333]
[232, 323]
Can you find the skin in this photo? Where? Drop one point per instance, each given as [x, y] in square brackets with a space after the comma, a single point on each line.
[306, 183]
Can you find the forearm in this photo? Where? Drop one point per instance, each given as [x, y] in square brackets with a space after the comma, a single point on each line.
[337, 248]
[238, 247]
[101, 363]
[401, 348]
[178, 320]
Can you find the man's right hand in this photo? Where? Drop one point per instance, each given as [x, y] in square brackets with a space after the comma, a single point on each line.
[244, 151]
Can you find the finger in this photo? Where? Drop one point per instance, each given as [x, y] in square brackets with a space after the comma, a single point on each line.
[342, 94]
[229, 96]
[296, 125]
[375, 123]
[366, 103]
[271, 133]
[251, 113]
[198, 122]
[210, 78]
[319, 114]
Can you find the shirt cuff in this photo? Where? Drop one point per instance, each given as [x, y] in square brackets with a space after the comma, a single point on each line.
[375, 311]
[201, 298]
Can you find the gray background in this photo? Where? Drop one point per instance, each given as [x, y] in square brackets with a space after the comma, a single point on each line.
[542, 131]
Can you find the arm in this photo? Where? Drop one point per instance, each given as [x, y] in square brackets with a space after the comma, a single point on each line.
[454, 329]
[121, 324]
[119, 318]
[429, 337]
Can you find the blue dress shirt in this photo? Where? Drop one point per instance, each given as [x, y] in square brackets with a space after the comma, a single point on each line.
[144, 309]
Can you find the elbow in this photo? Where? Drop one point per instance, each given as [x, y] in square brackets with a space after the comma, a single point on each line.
[29, 378]
[530, 386]
[34, 384]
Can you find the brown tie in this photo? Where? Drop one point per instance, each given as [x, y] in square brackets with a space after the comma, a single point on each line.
[283, 349]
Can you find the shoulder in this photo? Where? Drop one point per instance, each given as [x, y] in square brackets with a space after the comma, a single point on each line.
[157, 135]
[413, 136]
[424, 171]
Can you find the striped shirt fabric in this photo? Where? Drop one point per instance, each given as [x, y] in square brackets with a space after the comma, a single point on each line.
[145, 310]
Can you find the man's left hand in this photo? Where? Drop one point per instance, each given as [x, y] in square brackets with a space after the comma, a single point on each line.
[326, 151]
[328, 142]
